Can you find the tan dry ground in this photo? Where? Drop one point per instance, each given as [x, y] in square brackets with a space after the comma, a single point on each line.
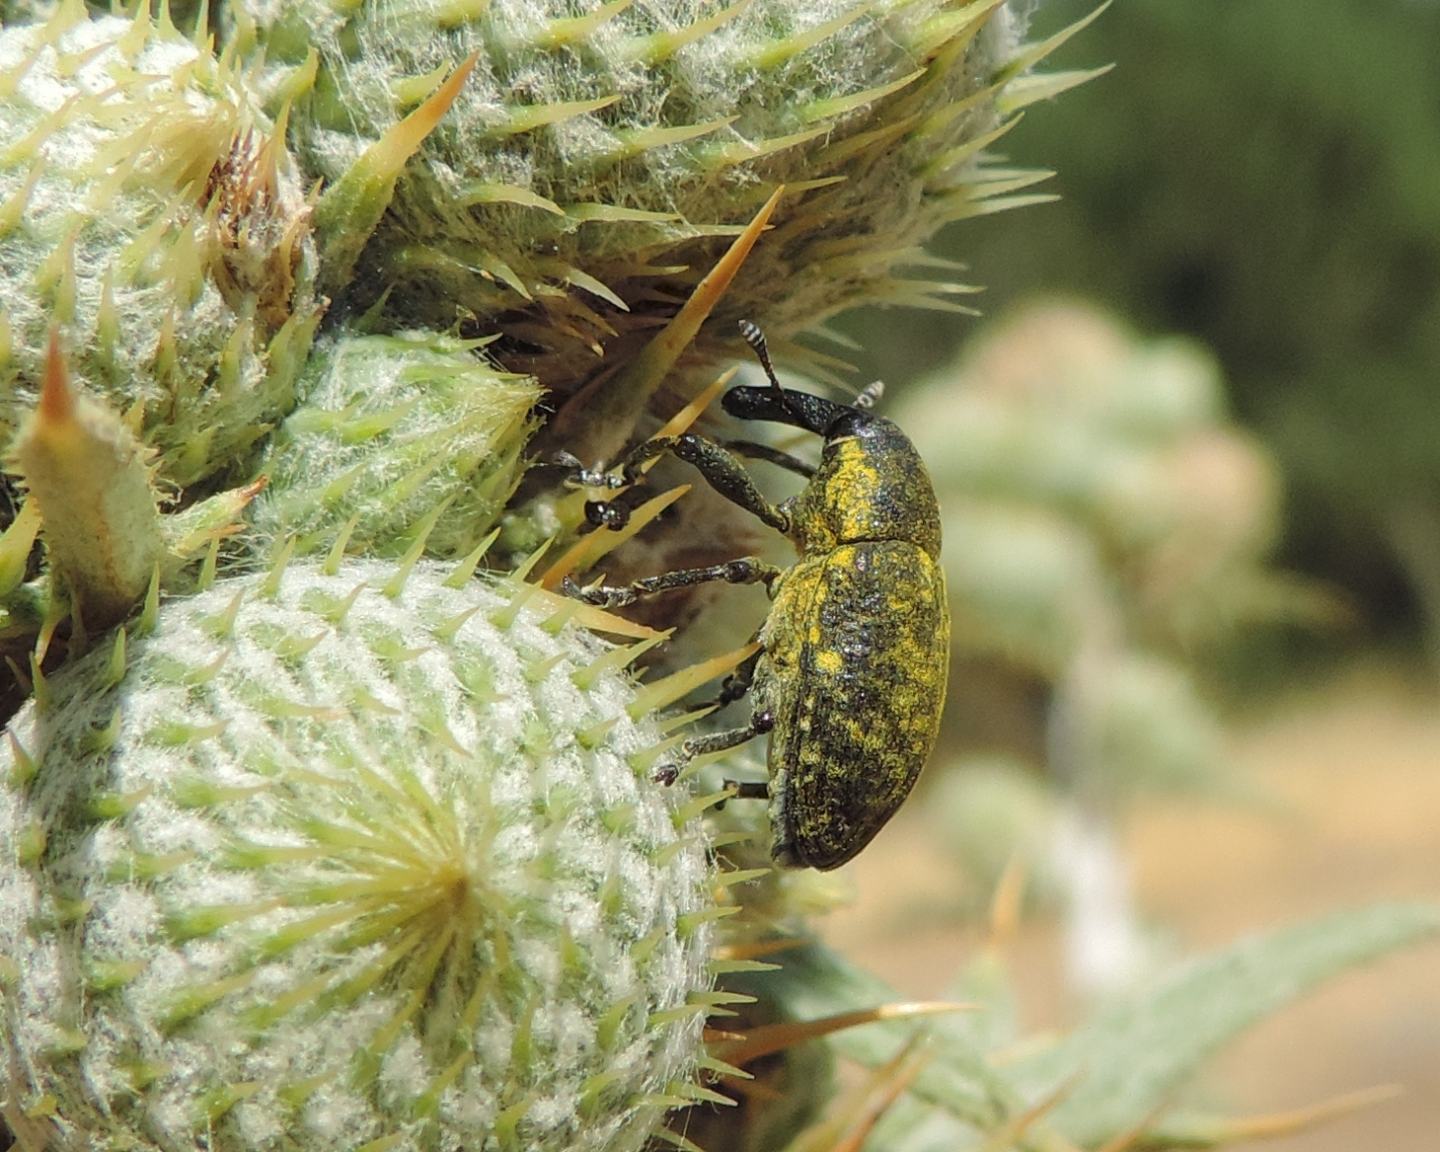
[1356, 769]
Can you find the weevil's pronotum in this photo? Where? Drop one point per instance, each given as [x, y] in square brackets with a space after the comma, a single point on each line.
[850, 675]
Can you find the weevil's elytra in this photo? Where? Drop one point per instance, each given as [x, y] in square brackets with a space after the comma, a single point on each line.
[850, 678]
[856, 696]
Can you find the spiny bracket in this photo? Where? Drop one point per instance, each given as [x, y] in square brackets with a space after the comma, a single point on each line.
[595, 422]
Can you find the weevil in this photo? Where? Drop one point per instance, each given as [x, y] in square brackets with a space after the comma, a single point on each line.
[849, 677]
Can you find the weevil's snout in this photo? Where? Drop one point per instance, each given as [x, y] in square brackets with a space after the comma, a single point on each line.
[784, 406]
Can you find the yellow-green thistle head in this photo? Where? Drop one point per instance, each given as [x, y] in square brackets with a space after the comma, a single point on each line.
[593, 165]
[362, 852]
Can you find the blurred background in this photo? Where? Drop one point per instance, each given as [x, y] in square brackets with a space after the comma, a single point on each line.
[1189, 461]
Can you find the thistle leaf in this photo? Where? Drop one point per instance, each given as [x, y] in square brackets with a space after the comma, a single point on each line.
[1131, 1058]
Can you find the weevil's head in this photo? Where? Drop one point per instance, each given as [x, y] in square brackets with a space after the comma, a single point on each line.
[871, 484]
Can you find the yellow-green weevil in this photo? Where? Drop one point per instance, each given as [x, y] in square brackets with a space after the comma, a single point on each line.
[850, 675]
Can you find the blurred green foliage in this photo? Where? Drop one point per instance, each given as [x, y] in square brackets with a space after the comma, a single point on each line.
[1109, 533]
[1265, 176]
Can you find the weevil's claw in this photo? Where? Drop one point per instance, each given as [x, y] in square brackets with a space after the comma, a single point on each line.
[572, 588]
[600, 476]
[607, 514]
[666, 774]
[598, 594]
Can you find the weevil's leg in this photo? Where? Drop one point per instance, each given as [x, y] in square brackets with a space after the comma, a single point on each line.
[744, 790]
[760, 723]
[747, 570]
[737, 684]
[755, 451]
[727, 476]
[722, 471]
[615, 514]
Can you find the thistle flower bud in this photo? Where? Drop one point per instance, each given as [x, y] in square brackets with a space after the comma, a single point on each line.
[151, 210]
[390, 430]
[324, 858]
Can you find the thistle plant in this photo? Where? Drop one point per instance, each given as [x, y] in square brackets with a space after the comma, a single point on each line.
[1109, 531]
[308, 839]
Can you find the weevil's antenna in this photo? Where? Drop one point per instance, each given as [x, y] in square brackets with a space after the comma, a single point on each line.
[756, 339]
[869, 396]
